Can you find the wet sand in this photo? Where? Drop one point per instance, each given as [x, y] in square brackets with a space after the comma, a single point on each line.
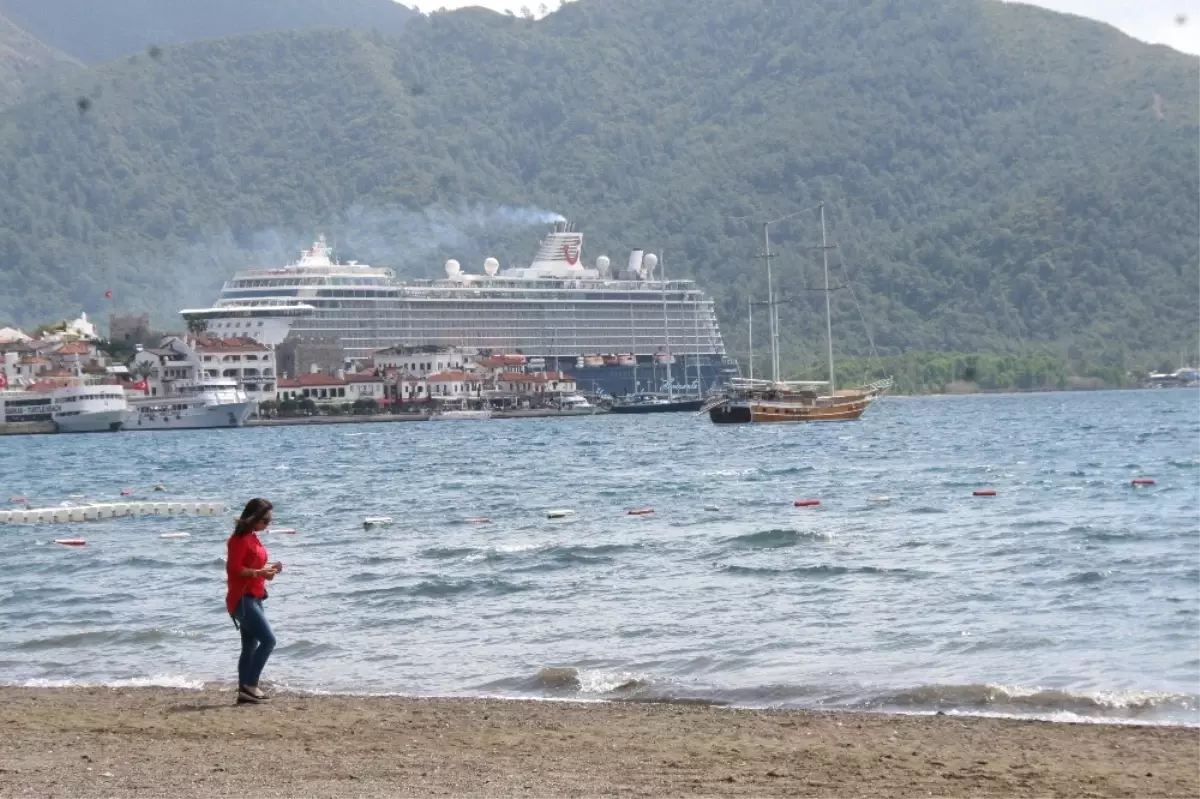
[160, 742]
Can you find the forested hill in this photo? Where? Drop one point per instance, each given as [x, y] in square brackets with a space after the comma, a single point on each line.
[27, 64]
[998, 178]
[101, 30]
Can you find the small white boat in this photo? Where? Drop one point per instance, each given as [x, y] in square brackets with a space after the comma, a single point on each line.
[574, 402]
[376, 521]
[559, 513]
[458, 410]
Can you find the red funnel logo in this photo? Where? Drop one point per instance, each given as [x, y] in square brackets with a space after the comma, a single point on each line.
[570, 250]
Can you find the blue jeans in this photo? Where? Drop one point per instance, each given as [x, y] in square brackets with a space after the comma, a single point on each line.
[257, 640]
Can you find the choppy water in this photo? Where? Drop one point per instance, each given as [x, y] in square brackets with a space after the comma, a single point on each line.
[1069, 595]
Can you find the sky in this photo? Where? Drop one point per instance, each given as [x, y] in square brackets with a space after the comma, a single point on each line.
[1148, 20]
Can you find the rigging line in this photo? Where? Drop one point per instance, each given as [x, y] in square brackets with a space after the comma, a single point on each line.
[861, 315]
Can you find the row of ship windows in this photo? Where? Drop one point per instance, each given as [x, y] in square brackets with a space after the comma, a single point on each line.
[649, 298]
[309, 281]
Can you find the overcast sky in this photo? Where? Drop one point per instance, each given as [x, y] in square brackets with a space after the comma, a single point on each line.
[1149, 20]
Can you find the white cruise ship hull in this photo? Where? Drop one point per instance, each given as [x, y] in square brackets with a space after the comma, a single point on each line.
[94, 422]
[199, 417]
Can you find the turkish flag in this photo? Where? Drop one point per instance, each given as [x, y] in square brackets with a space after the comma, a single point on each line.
[3, 380]
[108, 294]
[141, 386]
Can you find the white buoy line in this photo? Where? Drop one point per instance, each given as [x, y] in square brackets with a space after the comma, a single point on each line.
[65, 514]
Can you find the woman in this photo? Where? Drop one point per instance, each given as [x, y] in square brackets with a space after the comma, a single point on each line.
[247, 573]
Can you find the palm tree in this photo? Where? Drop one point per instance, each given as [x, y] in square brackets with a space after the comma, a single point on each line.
[197, 326]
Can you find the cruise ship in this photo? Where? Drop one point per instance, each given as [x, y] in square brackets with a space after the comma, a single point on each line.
[615, 330]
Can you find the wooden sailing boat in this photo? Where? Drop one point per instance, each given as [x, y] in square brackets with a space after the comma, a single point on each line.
[750, 400]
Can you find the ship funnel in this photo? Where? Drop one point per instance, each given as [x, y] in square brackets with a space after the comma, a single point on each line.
[635, 263]
[491, 266]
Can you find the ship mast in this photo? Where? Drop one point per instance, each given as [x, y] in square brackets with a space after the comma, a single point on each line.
[662, 265]
[828, 312]
[772, 334]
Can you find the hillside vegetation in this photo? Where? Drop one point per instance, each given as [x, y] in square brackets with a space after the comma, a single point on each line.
[998, 178]
[27, 64]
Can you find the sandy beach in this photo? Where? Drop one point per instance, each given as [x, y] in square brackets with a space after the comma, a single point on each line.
[160, 742]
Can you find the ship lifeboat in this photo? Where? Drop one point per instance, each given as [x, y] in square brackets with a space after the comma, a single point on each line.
[664, 358]
[593, 360]
[610, 360]
[626, 360]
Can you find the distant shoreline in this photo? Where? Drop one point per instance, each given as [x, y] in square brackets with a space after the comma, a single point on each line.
[145, 742]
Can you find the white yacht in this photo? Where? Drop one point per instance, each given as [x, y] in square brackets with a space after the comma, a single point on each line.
[613, 329]
[75, 408]
[207, 402]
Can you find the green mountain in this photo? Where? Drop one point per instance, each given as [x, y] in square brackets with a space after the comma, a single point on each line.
[27, 64]
[997, 178]
[100, 30]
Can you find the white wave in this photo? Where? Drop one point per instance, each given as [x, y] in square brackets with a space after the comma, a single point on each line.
[155, 681]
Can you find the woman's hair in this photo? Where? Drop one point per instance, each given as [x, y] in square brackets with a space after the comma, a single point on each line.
[255, 511]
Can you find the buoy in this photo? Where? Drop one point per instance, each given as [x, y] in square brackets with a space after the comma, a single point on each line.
[284, 530]
[712, 507]
[641, 511]
[477, 520]
[17, 499]
[807, 503]
[176, 535]
[559, 513]
[984, 492]
[127, 492]
[1141, 481]
[71, 542]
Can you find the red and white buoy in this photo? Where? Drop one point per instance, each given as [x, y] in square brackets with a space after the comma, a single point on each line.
[1141, 481]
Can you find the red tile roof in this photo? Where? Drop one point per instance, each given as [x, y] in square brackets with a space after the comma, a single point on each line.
[231, 344]
[75, 348]
[310, 381]
[451, 377]
[363, 377]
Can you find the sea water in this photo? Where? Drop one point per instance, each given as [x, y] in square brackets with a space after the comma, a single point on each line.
[1070, 594]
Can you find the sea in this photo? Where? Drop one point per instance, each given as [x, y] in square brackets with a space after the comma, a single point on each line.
[1069, 595]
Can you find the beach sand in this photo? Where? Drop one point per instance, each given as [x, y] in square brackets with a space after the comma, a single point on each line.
[161, 742]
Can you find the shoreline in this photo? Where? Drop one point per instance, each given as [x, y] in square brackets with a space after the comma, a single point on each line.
[189, 742]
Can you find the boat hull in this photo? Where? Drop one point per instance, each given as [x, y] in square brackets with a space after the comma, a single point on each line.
[98, 422]
[460, 416]
[666, 407]
[782, 413]
[223, 415]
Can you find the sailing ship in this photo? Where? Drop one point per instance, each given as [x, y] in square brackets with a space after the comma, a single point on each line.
[746, 400]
